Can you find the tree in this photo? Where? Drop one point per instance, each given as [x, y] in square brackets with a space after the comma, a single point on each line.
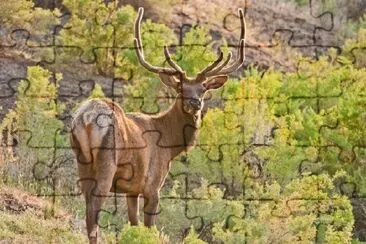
[35, 126]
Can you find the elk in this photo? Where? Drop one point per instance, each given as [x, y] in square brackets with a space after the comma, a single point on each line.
[132, 153]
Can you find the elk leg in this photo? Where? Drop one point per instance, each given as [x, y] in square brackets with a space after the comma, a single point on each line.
[104, 179]
[88, 185]
[92, 218]
[133, 208]
[150, 209]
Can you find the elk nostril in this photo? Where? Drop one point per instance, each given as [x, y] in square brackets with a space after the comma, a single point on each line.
[195, 103]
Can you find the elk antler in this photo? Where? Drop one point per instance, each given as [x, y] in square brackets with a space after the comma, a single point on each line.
[216, 68]
[220, 69]
[175, 70]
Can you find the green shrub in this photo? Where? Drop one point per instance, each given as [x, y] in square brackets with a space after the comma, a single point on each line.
[354, 49]
[192, 238]
[97, 92]
[141, 235]
[21, 14]
[307, 209]
[9, 10]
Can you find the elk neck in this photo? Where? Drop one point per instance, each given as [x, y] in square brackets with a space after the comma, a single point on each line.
[178, 128]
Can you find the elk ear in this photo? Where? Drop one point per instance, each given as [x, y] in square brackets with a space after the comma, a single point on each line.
[215, 82]
[170, 81]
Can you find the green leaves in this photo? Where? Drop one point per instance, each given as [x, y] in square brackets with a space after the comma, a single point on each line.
[317, 114]
[34, 123]
[140, 235]
[302, 206]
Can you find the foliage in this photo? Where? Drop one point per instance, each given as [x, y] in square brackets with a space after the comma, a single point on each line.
[9, 9]
[22, 14]
[362, 22]
[354, 49]
[311, 135]
[97, 92]
[143, 92]
[93, 25]
[301, 2]
[141, 235]
[98, 27]
[304, 205]
[303, 124]
[243, 118]
[311, 124]
[208, 203]
[192, 238]
[33, 123]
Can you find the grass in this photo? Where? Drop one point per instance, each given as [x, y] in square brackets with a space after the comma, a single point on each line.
[27, 219]
[29, 228]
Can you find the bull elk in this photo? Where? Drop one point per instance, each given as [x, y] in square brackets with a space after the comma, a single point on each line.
[132, 153]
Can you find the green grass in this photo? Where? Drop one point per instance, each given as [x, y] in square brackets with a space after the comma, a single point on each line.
[27, 227]
[25, 218]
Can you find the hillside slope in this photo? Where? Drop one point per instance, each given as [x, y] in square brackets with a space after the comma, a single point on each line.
[29, 219]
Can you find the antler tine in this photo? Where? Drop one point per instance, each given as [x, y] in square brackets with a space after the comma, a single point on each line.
[170, 60]
[145, 64]
[138, 30]
[222, 65]
[243, 27]
[241, 51]
[239, 62]
[203, 72]
[221, 70]
[140, 52]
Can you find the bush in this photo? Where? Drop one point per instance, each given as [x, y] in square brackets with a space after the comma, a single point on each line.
[141, 235]
[192, 238]
[307, 209]
[354, 49]
[97, 92]
[21, 14]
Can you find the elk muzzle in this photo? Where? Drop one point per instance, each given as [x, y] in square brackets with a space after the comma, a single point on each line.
[195, 104]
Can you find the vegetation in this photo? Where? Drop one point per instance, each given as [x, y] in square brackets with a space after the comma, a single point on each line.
[28, 219]
[141, 234]
[33, 126]
[277, 161]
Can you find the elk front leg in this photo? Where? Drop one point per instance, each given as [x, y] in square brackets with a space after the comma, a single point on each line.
[151, 202]
[133, 208]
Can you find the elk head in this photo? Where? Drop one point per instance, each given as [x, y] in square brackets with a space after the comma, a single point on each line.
[192, 89]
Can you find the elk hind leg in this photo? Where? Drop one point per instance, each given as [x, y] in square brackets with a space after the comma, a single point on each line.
[133, 208]
[151, 203]
[105, 170]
